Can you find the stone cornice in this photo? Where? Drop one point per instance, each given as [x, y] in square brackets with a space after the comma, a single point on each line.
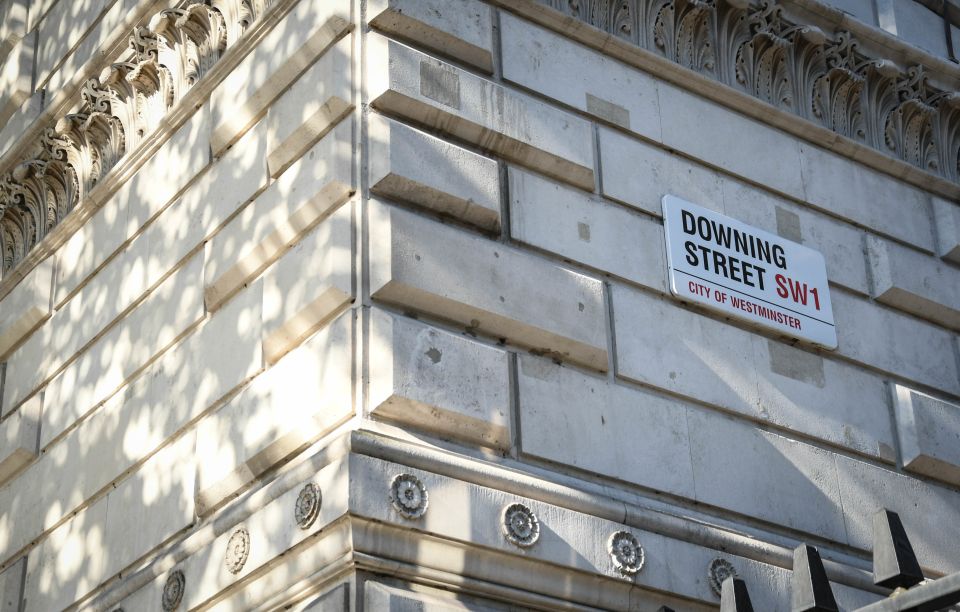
[834, 89]
[117, 120]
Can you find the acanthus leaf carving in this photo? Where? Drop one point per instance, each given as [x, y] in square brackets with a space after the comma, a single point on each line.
[113, 115]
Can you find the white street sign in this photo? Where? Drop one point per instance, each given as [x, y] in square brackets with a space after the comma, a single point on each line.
[747, 273]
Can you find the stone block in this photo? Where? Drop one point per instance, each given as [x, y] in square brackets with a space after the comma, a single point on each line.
[769, 157]
[205, 367]
[921, 27]
[947, 218]
[586, 422]
[412, 166]
[301, 398]
[840, 243]
[13, 27]
[463, 31]
[26, 307]
[844, 188]
[12, 130]
[155, 185]
[485, 286]
[907, 348]
[914, 282]
[160, 320]
[579, 77]
[496, 119]
[57, 41]
[16, 74]
[143, 511]
[860, 9]
[304, 34]
[930, 513]
[307, 192]
[823, 398]
[581, 228]
[665, 346]
[640, 174]
[11, 586]
[313, 105]
[929, 431]
[437, 381]
[308, 286]
[18, 439]
[797, 487]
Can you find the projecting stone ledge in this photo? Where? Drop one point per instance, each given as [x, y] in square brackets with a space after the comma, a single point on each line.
[485, 286]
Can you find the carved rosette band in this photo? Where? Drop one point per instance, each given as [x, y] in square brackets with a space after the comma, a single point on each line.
[409, 496]
[173, 591]
[113, 114]
[520, 525]
[238, 549]
[308, 504]
[829, 80]
[718, 571]
[626, 553]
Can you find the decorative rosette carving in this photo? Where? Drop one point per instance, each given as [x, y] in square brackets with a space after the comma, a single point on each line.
[307, 508]
[238, 549]
[718, 571]
[173, 591]
[408, 496]
[626, 553]
[520, 525]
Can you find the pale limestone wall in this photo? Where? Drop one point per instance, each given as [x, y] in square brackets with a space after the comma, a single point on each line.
[425, 238]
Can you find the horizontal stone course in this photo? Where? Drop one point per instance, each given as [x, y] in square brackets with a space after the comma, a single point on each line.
[307, 192]
[26, 307]
[913, 282]
[133, 519]
[434, 380]
[463, 31]
[929, 433]
[280, 58]
[579, 77]
[485, 286]
[584, 229]
[681, 351]
[309, 285]
[412, 166]
[428, 91]
[312, 387]
[310, 108]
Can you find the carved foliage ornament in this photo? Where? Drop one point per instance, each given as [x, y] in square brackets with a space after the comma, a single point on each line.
[113, 115]
[408, 496]
[718, 571]
[626, 553]
[307, 508]
[238, 549]
[173, 591]
[753, 46]
[520, 525]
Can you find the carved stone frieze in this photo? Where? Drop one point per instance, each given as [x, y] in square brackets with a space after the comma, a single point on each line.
[113, 114]
[821, 77]
[173, 591]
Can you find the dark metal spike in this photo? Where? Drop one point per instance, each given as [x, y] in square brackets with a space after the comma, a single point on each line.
[811, 587]
[894, 562]
[734, 596]
[664, 609]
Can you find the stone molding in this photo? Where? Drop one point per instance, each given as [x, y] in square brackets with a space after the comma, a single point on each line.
[115, 113]
[827, 79]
